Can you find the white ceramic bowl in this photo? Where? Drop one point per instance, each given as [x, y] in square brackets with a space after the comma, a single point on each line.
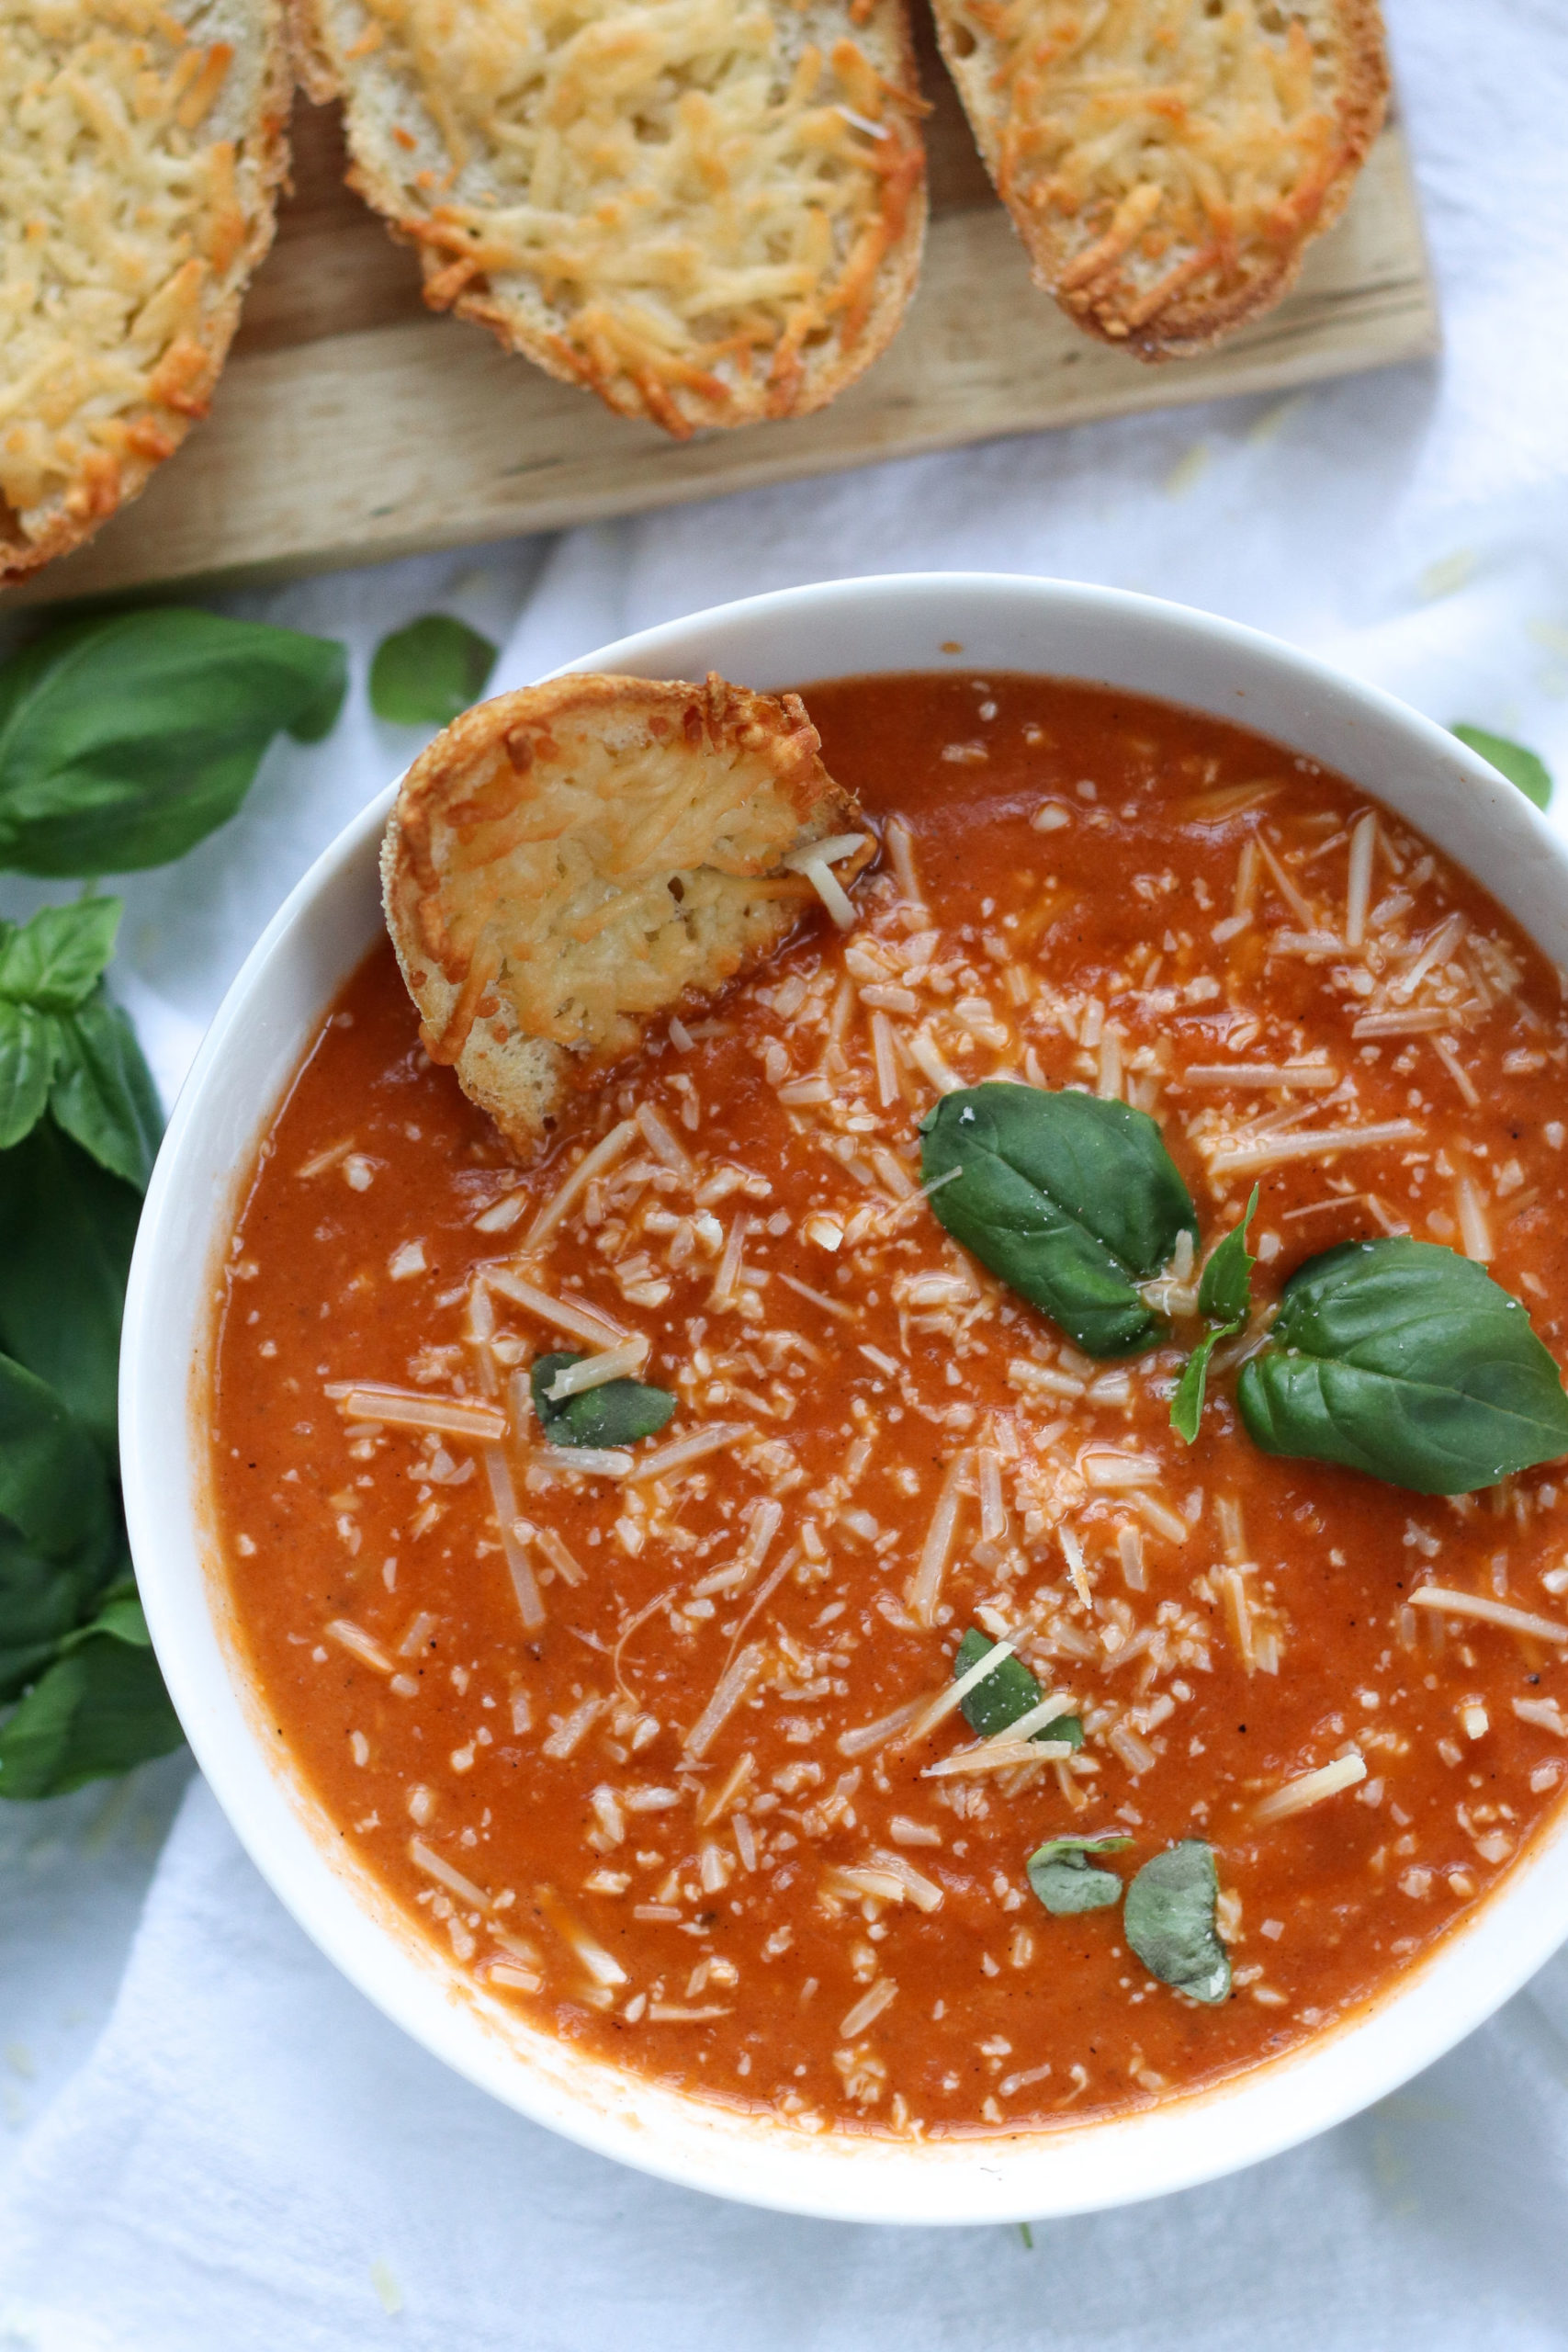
[842, 630]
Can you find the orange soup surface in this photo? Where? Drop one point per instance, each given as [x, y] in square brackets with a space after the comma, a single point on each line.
[639, 1745]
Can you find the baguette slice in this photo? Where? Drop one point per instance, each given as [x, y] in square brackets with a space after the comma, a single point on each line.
[1167, 162]
[707, 211]
[141, 146]
[566, 864]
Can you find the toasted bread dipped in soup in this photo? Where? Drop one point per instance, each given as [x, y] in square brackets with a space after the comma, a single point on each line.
[567, 864]
[707, 211]
[142, 146]
[1167, 162]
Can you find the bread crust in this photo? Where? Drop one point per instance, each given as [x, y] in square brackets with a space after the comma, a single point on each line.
[103, 407]
[1165, 165]
[569, 862]
[646, 284]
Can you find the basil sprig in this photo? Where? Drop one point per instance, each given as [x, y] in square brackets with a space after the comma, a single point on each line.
[1065, 1879]
[65, 1047]
[1071, 1200]
[1224, 1301]
[1406, 1361]
[425, 675]
[124, 742]
[1005, 1695]
[1524, 768]
[617, 1412]
[1168, 1918]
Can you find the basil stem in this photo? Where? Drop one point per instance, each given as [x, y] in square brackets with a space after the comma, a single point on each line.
[1071, 1200]
[1168, 1918]
[1407, 1362]
[1062, 1877]
[616, 1413]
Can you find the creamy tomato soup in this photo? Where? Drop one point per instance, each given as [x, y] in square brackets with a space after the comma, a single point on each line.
[647, 1737]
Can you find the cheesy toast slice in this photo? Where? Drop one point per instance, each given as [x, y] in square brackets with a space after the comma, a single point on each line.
[141, 146]
[1168, 161]
[707, 211]
[566, 863]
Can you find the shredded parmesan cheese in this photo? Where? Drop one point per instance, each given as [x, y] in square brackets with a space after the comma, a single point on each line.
[1312, 1788]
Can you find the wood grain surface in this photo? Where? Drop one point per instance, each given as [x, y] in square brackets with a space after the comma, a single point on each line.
[350, 424]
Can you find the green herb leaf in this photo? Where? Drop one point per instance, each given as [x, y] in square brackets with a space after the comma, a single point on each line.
[617, 1413]
[125, 741]
[1524, 768]
[103, 1093]
[1005, 1695]
[30, 1046]
[54, 1489]
[67, 1229]
[1071, 1200]
[41, 1600]
[1168, 1918]
[98, 1710]
[1224, 1296]
[1407, 1362]
[1064, 1879]
[55, 961]
[423, 675]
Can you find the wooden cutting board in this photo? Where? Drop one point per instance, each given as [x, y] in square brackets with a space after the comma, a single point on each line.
[350, 424]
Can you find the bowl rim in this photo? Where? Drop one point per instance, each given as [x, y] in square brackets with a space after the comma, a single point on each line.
[1181, 2142]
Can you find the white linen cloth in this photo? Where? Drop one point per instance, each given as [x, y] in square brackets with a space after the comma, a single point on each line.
[247, 2154]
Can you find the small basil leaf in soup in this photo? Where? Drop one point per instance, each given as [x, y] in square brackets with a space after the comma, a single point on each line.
[1005, 1695]
[1065, 1879]
[103, 1095]
[1225, 1293]
[1224, 1296]
[423, 675]
[55, 960]
[1069, 1200]
[1407, 1362]
[1524, 768]
[1168, 1917]
[618, 1412]
[1187, 1405]
[100, 1708]
[125, 741]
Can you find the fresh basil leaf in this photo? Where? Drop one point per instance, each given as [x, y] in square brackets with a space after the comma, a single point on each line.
[98, 1710]
[1524, 768]
[425, 675]
[1005, 1695]
[1407, 1362]
[67, 1229]
[1062, 1877]
[54, 1489]
[103, 1095]
[1224, 1294]
[1168, 1918]
[1187, 1405]
[41, 1601]
[125, 741]
[55, 961]
[30, 1046]
[1069, 1200]
[617, 1413]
